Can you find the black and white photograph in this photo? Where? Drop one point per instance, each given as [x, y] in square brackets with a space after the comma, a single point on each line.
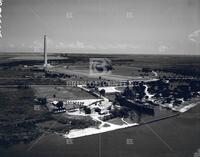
[99, 78]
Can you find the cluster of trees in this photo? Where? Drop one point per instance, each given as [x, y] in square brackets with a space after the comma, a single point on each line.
[87, 110]
[56, 75]
[185, 89]
[42, 101]
[187, 71]
[136, 92]
[74, 123]
[120, 112]
[102, 92]
[159, 87]
[146, 70]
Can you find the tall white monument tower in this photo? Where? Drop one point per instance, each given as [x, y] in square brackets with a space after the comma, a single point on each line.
[45, 52]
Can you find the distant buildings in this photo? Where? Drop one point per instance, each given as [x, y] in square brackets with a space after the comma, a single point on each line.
[56, 107]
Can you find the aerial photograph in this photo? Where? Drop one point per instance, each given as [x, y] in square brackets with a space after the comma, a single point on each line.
[99, 78]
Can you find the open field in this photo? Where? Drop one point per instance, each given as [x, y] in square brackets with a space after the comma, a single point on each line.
[17, 103]
[22, 82]
[61, 92]
[180, 133]
[162, 62]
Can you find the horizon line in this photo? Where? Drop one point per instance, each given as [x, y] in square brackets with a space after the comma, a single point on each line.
[105, 53]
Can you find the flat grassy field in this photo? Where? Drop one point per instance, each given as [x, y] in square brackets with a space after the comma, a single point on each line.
[61, 92]
[17, 104]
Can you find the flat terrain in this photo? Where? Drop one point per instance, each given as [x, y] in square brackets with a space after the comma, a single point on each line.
[19, 86]
[61, 92]
[173, 137]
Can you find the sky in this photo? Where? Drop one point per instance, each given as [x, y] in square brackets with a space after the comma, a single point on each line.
[101, 26]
